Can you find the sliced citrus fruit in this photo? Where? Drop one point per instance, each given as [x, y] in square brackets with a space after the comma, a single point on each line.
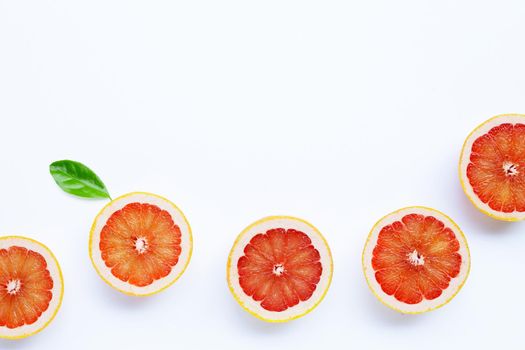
[31, 287]
[140, 243]
[415, 260]
[492, 167]
[279, 268]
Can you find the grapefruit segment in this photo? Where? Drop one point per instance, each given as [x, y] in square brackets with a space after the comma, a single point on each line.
[31, 287]
[279, 268]
[140, 243]
[415, 259]
[492, 167]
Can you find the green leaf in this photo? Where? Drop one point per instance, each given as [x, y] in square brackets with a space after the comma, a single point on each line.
[77, 179]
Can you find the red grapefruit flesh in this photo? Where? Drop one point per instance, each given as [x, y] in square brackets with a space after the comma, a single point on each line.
[492, 167]
[133, 231]
[416, 259]
[140, 243]
[30, 287]
[279, 268]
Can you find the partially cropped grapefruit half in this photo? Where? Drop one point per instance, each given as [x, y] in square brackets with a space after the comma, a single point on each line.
[279, 268]
[492, 167]
[415, 260]
[140, 243]
[31, 287]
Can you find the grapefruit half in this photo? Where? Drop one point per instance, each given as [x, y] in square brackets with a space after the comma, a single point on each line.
[140, 243]
[279, 268]
[415, 260]
[492, 167]
[31, 287]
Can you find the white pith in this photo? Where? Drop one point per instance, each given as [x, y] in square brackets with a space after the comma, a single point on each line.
[57, 290]
[415, 258]
[465, 160]
[178, 219]
[278, 269]
[261, 227]
[141, 245]
[425, 305]
[13, 286]
[510, 169]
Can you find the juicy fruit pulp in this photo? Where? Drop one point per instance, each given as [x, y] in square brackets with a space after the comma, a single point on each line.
[415, 258]
[496, 168]
[31, 287]
[140, 243]
[25, 286]
[280, 268]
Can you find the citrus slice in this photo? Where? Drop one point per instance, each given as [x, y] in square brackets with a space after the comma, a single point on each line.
[415, 260]
[492, 167]
[31, 287]
[140, 243]
[279, 268]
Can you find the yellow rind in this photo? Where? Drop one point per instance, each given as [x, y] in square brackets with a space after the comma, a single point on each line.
[61, 289]
[376, 294]
[238, 298]
[463, 177]
[91, 240]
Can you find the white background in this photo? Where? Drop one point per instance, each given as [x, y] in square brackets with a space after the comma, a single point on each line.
[335, 111]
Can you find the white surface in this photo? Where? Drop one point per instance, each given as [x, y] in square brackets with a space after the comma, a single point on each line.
[336, 112]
